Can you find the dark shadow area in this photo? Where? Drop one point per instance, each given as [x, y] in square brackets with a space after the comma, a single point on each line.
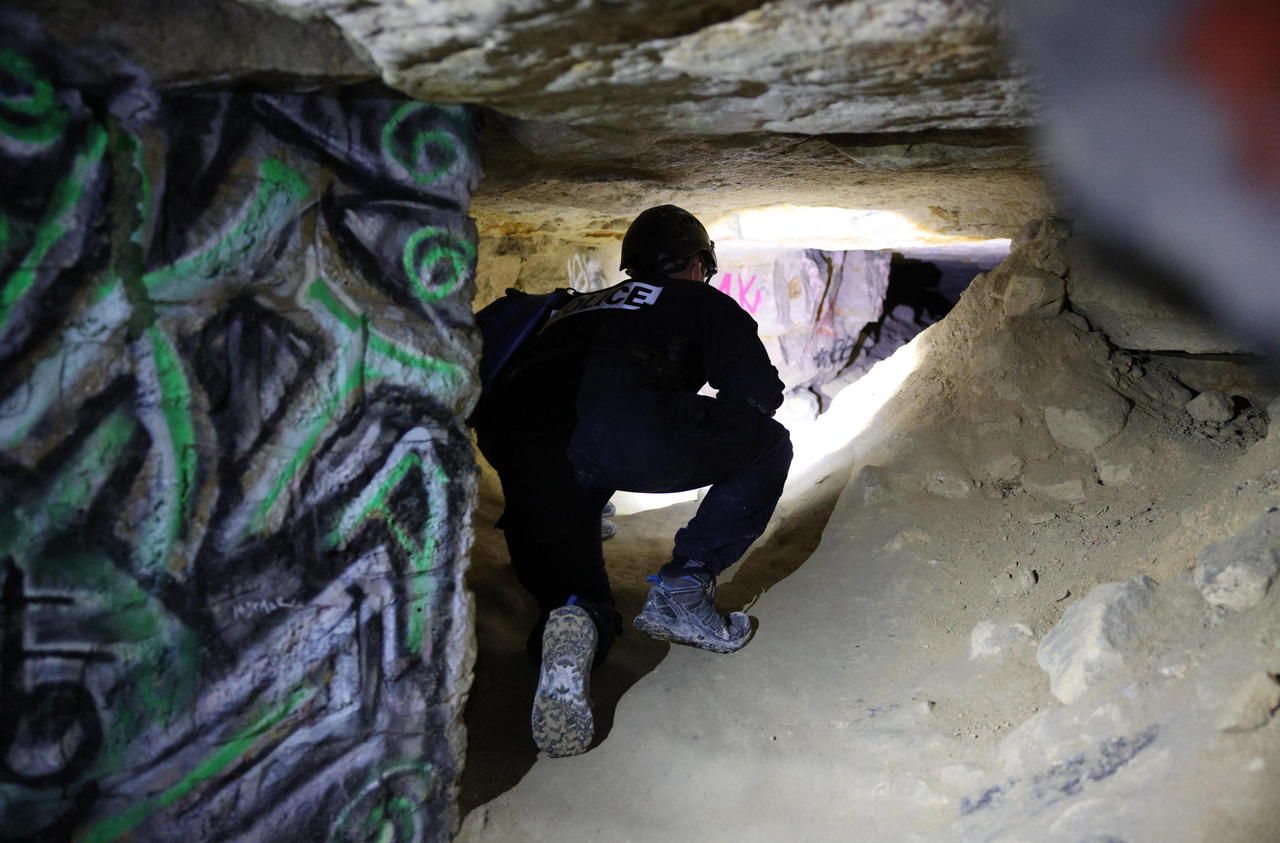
[916, 284]
[500, 749]
[920, 293]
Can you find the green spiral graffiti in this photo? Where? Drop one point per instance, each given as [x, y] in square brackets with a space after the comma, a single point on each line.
[426, 145]
[389, 809]
[58, 219]
[426, 250]
[36, 117]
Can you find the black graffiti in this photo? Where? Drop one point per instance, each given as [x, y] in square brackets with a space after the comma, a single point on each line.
[255, 311]
[51, 731]
[837, 354]
[1066, 778]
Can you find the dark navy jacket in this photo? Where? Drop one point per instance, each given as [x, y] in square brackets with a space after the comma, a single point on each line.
[635, 353]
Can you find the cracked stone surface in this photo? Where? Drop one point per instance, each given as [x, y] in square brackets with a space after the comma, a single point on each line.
[601, 109]
[595, 110]
[723, 67]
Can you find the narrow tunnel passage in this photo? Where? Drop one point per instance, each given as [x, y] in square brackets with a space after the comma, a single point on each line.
[913, 595]
[913, 293]
[1022, 583]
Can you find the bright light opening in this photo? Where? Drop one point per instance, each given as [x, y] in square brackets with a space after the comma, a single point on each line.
[851, 413]
[767, 231]
[833, 229]
[814, 440]
[629, 503]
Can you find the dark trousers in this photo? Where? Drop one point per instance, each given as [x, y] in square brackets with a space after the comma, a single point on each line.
[556, 483]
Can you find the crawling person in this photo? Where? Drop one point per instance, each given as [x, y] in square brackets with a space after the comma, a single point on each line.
[604, 398]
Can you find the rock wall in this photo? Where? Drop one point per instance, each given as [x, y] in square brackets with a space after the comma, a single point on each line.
[585, 184]
[542, 264]
[235, 493]
[1144, 317]
[812, 306]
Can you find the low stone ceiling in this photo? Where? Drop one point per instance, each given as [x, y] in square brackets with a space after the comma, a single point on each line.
[601, 108]
[594, 109]
[584, 184]
[719, 67]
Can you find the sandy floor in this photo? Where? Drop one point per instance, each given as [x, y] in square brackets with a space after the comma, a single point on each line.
[500, 750]
[858, 712]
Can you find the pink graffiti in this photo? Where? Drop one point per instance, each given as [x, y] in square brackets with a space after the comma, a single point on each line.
[745, 288]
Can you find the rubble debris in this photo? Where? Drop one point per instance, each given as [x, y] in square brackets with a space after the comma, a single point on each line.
[1016, 579]
[1085, 648]
[990, 639]
[1006, 467]
[1025, 235]
[1236, 573]
[1211, 406]
[1151, 381]
[1049, 252]
[1095, 420]
[1114, 473]
[1077, 321]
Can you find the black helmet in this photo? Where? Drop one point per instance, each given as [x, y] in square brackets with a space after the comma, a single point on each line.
[663, 239]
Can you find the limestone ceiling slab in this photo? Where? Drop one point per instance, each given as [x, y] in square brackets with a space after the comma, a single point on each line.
[720, 67]
[594, 109]
[585, 183]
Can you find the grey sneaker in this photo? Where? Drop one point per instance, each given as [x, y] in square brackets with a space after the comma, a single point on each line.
[683, 610]
[561, 720]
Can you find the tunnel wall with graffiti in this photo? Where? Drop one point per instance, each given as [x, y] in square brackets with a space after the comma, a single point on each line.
[235, 347]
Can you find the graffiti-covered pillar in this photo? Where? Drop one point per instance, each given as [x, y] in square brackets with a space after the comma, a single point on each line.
[235, 349]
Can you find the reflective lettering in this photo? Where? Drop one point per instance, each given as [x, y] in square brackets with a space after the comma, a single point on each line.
[629, 295]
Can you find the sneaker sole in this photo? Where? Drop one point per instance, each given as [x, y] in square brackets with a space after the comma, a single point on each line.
[561, 719]
[661, 632]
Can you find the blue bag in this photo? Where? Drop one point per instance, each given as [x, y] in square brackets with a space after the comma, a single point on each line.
[508, 322]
